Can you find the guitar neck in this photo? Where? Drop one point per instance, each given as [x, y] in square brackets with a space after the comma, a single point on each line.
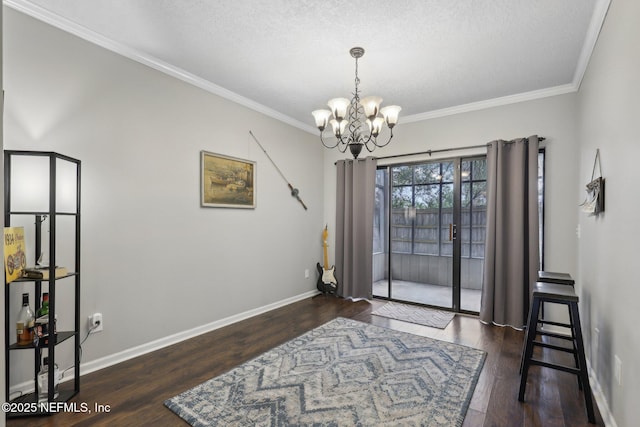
[326, 257]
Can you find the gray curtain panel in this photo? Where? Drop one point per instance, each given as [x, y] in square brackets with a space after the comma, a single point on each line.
[355, 198]
[511, 257]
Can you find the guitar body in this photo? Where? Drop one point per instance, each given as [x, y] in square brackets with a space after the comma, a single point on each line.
[328, 276]
[327, 283]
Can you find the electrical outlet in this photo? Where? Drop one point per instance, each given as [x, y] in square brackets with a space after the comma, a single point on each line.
[306, 273]
[95, 323]
[618, 369]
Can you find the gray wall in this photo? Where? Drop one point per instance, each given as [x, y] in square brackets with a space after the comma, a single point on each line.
[154, 262]
[609, 107]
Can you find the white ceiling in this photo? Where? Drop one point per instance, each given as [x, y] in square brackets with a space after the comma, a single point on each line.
[288, 57]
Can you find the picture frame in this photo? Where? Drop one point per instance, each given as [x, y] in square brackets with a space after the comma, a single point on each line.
[227, 182]
[593, 204]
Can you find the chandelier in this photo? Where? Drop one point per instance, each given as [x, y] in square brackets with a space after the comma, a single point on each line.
[346, 118]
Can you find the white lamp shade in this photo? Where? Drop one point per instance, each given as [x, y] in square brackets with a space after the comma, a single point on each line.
[376, 126]
[66, 186]
[390, 114]
[30, 183]
[338, 127]
[322, 118]
[371, 106]
[338, 107]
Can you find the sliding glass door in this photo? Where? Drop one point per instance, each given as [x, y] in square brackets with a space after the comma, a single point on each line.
[429, 233]
[472, 231]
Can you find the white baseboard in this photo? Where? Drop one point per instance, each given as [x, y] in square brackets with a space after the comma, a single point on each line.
[600, 398]
[113, 359]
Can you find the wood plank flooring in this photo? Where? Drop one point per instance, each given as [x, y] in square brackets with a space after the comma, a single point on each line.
[136, 389]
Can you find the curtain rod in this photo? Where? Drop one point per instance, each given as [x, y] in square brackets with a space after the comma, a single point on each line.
[442, 150]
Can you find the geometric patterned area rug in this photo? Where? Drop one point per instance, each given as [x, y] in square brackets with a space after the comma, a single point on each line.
[415, 314]
[343, 373]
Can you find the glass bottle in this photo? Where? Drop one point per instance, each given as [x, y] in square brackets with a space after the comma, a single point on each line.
[43, 380]
[25, 323]
[42, 329]
[44, 307]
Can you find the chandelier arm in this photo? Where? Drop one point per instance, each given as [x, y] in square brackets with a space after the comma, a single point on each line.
[388, 141]
[328, 146]
[366, 145]
[370, 139]
[341, 144]
[346, 142]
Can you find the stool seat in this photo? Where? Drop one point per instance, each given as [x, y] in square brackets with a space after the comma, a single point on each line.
[552, 277]
[558, 294]
[555, 291]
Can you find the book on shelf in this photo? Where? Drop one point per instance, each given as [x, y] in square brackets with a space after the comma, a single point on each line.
[43, 272]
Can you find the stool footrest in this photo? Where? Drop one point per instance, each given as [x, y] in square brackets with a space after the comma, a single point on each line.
[555, 335]
[554, 347]
[549, 322]
[554, 366]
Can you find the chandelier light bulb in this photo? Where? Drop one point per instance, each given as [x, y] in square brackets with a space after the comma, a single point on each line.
[375, 126]
[338, 127]
[390, 115]
[371, 105]
[322, 118]
[338, 107]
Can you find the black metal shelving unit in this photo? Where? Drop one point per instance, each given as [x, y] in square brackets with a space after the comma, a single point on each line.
[56, 163]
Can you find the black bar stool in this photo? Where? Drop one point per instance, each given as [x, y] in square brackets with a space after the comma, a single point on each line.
[558, 294]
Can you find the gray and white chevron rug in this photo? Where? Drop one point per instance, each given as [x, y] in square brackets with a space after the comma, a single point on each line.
[415, 314]
[343, 373]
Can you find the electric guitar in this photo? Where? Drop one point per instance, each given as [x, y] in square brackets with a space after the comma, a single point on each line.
[327, 282]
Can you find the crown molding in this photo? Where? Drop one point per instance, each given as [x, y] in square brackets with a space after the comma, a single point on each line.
[491, 103]
[84, 33]
[595, 26]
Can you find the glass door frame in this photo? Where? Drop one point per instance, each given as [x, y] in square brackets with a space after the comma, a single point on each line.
[457, 243]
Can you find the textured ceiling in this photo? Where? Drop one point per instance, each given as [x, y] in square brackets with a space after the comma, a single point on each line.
[288, 57]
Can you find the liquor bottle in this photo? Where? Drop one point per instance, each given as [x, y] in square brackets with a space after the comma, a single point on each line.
[25, 323]
[44, 307]
[42, 329]
[43, 380]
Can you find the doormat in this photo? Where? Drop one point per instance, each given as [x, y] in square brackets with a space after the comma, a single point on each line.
[415, 314]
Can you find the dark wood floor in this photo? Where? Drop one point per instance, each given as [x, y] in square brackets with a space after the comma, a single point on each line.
[136, 389]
